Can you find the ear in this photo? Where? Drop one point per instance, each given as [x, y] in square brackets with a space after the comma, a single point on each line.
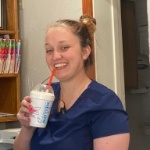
[86, 52]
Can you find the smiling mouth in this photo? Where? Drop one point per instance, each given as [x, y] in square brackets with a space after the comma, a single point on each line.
[60, 65]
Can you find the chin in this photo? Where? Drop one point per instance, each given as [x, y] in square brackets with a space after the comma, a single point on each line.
[62, 79]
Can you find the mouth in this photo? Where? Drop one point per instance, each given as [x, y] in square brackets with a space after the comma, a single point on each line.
[60, 65]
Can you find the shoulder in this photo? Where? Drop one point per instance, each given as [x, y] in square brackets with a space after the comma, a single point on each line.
[102, 96]
[107, 115]
[99, 88]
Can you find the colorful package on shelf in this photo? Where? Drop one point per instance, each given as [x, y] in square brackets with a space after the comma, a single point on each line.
[9, 55]
[17, 61]
[12, 60]
[1, 56]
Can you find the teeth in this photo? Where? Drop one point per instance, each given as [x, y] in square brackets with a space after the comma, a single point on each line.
[60, 65]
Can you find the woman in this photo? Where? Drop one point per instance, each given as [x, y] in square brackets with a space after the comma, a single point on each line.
[85, 114]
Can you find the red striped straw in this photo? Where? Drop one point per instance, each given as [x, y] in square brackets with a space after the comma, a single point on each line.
[50, 80]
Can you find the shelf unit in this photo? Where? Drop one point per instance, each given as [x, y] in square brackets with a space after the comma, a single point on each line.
[10, 83]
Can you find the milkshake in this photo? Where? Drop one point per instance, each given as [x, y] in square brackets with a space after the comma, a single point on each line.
[41, 101]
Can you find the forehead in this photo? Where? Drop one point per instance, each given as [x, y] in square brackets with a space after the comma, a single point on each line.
[59, 30]
[61, 33]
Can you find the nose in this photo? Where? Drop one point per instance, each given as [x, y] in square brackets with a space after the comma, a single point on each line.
[56, 55]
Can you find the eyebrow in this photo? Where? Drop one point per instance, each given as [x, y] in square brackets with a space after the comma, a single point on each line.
[60, 42]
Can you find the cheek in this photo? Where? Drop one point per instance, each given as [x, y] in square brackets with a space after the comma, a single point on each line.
[76, 57]
[48, 59]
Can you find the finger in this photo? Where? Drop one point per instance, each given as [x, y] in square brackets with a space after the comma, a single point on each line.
[24, 110]
[27, 98]
[22, 118]
[26, 102]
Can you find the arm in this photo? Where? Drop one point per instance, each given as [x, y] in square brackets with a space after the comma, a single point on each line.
[113, 142]
[22, 141]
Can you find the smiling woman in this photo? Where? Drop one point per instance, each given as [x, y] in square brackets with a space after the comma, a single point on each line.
[93, 114]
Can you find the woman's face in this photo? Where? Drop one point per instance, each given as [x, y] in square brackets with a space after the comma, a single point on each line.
[64, 53]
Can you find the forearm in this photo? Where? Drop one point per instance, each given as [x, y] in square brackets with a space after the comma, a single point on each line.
[22, 141]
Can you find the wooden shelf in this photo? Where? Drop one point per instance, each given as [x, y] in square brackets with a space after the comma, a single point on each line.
[11, 75]
[8, 119]
[10, 83]
[7, 32]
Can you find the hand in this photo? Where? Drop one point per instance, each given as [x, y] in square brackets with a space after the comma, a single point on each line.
[24, 112]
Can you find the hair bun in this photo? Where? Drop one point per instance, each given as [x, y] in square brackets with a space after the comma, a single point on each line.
[90, 22]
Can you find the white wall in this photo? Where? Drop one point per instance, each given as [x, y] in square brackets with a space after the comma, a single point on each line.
[34, 19]
[108, 43]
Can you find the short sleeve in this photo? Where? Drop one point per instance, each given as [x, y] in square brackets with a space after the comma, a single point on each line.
[109, 122]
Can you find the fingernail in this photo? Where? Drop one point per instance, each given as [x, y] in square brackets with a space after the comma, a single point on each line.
[31, 110]
[28, 119]
[30, 106]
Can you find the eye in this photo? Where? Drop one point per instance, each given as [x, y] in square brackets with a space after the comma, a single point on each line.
[64, 48]
[49, 51]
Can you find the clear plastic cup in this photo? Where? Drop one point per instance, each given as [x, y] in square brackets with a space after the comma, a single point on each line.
[42, 101]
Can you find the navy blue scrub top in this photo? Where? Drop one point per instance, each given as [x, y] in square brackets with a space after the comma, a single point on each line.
[98, 112]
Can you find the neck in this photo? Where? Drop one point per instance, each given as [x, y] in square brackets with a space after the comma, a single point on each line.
[74, 83]
[70, 91]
